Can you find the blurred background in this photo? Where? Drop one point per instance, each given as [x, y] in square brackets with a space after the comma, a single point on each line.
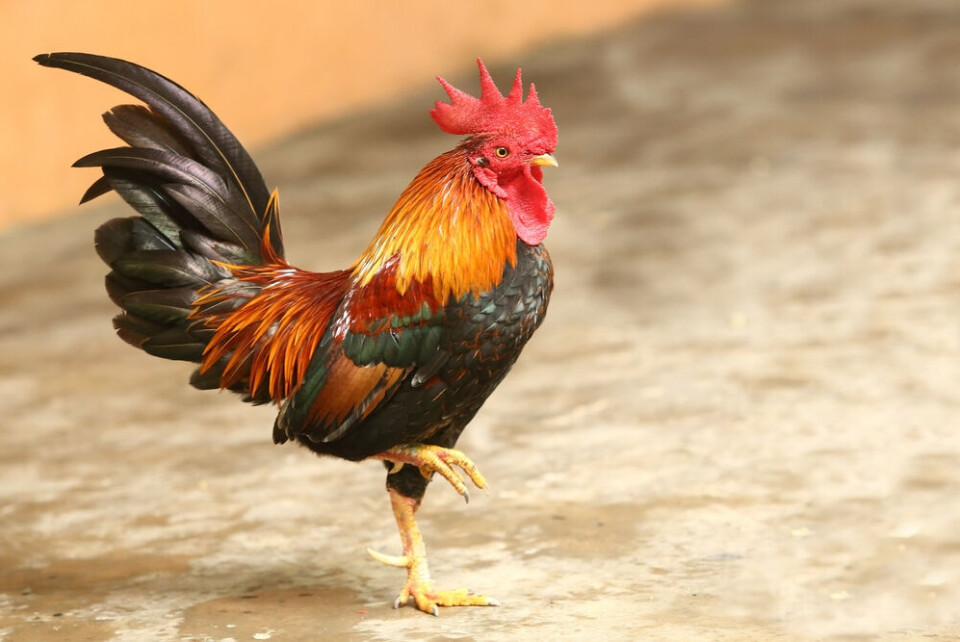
[267, 70]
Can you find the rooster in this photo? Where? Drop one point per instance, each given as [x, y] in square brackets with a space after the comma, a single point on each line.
[388, 359]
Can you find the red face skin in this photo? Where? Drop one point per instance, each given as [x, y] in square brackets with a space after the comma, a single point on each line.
[510, 168]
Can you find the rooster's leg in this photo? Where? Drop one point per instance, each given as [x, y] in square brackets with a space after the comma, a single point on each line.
[419, 586]
[431, 459]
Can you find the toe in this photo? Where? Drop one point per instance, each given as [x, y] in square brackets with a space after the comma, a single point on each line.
[464, 597]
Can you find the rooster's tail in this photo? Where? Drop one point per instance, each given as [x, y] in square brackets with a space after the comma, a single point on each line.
[202, 205]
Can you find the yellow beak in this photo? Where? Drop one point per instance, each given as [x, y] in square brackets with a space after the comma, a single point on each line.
[544, 159]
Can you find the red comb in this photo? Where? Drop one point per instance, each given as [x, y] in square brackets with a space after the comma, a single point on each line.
[494, 112]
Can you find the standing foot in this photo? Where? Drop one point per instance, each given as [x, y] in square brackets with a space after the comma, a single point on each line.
[419, 585]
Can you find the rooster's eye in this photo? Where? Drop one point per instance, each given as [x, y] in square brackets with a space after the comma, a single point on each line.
[501, 152]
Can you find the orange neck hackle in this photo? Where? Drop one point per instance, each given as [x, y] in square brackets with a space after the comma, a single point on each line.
[446, 228]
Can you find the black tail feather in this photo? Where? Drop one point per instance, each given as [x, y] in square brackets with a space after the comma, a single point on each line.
[169, 268]
[147, 195]
[202, 204]
[99, 187]
[175, 343]
[217, 250]
[179, 122]
[135, 330]
[137, 126]
[151, 178]
[168, 307]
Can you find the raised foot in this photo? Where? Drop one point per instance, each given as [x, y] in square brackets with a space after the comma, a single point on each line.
[434, 459]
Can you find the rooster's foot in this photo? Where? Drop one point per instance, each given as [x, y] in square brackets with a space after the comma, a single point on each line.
[434, 459]
[419, 586]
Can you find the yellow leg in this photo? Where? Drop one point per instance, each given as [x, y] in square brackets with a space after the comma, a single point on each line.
[434, 459]
[419, 586]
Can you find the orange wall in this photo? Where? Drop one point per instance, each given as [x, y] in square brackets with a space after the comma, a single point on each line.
[267, 68]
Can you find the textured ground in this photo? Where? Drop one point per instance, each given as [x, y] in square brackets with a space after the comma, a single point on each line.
[738, 422]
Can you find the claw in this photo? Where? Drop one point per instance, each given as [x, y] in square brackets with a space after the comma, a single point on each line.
[400, 561]
[434, 459]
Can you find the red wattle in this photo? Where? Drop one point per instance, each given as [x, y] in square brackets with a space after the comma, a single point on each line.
[530, 207]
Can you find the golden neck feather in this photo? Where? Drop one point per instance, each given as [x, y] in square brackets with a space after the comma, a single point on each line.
[446, 227]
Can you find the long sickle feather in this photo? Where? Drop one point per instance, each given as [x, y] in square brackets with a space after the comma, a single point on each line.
[212, 142]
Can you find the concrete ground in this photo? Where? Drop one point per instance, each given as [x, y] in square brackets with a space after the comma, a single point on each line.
[739, 422]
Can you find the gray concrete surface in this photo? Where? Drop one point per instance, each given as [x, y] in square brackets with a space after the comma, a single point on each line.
[739, 422]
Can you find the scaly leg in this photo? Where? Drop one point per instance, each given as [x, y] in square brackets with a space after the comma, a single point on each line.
[431, 459]
[419, 586]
